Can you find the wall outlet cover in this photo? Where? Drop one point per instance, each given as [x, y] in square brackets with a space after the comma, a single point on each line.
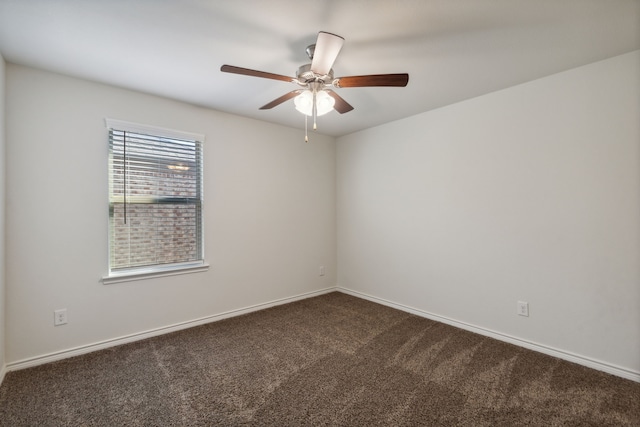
[60, 317]
[523, 308]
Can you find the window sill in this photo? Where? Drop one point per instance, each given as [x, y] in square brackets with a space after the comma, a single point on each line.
[130, 276]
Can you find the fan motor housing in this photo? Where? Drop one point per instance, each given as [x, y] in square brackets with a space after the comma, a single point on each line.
[305, 75]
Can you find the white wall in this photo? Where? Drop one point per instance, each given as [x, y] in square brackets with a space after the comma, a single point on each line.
[2, 216]
[269, 215]
[531, 193]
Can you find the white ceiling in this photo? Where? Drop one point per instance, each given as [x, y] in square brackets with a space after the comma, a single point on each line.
[452, 49]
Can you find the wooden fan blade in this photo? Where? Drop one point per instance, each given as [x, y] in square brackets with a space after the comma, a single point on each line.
[341, 106]
[399, 80]
[326, 51]
[254, 73]
[283, 98]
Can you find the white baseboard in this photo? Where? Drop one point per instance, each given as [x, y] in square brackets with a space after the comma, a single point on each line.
[77, 351]
[561, 354]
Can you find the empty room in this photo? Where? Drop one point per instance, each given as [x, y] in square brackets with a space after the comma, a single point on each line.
[349, 213]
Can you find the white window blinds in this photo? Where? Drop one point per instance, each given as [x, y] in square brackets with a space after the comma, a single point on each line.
[155, 197]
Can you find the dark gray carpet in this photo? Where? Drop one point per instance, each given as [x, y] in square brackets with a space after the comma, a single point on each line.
[330, 360]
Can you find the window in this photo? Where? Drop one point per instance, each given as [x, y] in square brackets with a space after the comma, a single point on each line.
[155, 201]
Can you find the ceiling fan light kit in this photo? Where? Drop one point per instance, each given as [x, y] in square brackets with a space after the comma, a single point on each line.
[317, 98]
[304, 103]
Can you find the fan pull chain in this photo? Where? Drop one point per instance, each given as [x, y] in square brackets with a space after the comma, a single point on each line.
[315, 110]
[306, 136]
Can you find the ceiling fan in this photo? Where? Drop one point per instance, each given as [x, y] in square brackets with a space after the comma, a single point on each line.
[316, 97]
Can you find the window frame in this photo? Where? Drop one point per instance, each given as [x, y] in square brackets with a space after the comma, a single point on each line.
[158, 270]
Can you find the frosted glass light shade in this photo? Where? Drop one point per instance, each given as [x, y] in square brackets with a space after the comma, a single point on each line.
[304, 102]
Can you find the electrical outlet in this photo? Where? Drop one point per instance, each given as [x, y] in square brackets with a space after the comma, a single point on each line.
[60, 317]
[322, 270]
[523, 308]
